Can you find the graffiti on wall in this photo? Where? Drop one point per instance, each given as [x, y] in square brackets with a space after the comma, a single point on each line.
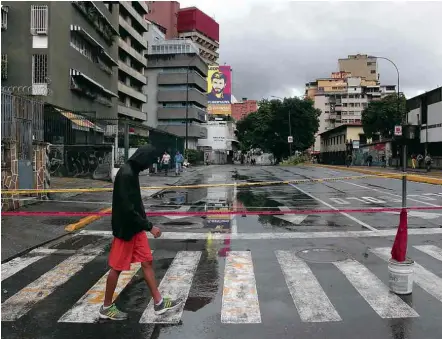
[378, 150]
[84, 161]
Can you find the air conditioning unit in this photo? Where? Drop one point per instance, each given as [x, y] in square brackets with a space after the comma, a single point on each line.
[4, 25]
[35, 31]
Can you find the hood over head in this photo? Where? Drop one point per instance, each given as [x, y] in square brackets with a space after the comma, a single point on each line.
[142, 158]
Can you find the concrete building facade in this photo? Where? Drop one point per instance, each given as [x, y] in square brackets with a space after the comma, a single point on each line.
[70, 63]
[165, 14]
[243, 108]
[177, 84]
[132, 62]
[360, 65]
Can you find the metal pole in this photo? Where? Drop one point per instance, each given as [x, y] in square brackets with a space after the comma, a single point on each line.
[126, 141]
[290, 133]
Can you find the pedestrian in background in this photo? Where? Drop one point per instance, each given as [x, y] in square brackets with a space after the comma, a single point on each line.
[413, 160]
[178, 163]
[130, 243]
[166, 162]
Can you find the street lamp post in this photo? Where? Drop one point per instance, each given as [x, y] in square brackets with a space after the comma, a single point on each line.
[404, 146]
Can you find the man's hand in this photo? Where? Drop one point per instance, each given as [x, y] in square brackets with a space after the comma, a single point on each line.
[155, 232]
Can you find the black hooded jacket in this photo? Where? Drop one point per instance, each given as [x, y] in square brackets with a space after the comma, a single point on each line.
[128, 214]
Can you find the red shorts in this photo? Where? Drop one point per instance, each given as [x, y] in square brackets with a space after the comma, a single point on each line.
[123, 253]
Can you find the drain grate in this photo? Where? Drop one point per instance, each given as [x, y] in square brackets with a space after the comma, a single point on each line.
[323, 255]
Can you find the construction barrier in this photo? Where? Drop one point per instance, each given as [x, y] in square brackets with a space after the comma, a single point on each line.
[108, 212]
[243, 184]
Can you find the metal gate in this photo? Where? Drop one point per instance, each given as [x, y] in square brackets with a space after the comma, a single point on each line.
[24, 153]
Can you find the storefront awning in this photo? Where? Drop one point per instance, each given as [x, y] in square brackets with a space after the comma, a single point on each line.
[79, 122]
[74, 72]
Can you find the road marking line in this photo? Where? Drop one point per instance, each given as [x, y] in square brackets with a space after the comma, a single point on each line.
[87, 307]
[233, 222]
[282, 235]
[176, 285]
[375, 293]
[332, 207]
[240, 304]
[431, 250]
[427, 280]
[383, 192]
[17, 264]
[21, 302]
[310, 300]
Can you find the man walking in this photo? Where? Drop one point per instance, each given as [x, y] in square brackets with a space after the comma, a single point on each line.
[130, 243]
[178, 163]
[165, 161]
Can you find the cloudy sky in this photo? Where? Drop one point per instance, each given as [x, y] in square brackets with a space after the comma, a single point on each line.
[275, 47]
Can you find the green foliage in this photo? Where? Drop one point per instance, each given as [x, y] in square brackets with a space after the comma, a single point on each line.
[268, 128]
[295, 160]
[381, 116]
[194, 156]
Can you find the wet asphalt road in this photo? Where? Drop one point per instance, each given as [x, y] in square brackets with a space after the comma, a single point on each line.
[250, 276]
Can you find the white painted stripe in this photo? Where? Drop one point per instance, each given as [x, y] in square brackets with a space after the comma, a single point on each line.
[384, 192]
[21, 302]
[332, 207]
[431, 250]
[312, 303]
[233, 225]
[288, 235]
[17, 264]
[176, 285]
[427, 280]
[240, 304]
[375, 293]
[86, 309]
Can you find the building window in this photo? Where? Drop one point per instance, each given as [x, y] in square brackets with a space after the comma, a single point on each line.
[5, 17]
[39, 19]
[4, 66]
[82, 46]
[39, 69]
[373, 71]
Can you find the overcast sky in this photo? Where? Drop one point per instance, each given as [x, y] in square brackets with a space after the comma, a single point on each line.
[275, 47]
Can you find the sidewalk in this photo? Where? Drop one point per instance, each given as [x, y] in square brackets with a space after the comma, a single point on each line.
[20, 234]
[415, 175]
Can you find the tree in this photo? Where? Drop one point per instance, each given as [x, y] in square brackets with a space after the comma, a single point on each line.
[268, 128]
[381, 116]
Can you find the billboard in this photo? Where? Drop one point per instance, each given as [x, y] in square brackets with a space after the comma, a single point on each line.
[219, 91]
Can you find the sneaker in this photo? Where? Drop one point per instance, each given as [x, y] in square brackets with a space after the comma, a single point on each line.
[167, 305]
[112, 313]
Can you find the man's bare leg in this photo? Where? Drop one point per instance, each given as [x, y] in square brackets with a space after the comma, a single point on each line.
[149, 276]
[111, 284]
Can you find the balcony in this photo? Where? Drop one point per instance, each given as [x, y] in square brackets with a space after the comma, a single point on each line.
[181, 79]
[180, 96]
[142, 6]
[132, 52]
[171, 113]
[178, 61]
[132, 72]
[194, 131]
[133, 12]
[137, 36]
[131, 92]
[131, 112]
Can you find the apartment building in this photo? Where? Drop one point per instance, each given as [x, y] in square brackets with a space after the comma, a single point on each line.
[360, 65]
[243, 108]
[177, 90]
[63, 52]
[132, 62]
[187, 23]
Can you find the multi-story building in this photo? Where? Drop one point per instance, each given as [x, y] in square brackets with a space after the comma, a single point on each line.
[177, 89]
[64, 52]
[360, 65]
[132, 47]
[243, 108]
[187, 23]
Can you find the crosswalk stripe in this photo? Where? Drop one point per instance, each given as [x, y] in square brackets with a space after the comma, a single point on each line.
[427, 280]
[312, 303]
[86, 309]
[21, 302]
[374, 291]
[176, 285]
[431, 250]
[240, 302]
[17, 264]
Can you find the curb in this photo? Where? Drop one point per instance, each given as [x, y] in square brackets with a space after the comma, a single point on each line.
[410, 177]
